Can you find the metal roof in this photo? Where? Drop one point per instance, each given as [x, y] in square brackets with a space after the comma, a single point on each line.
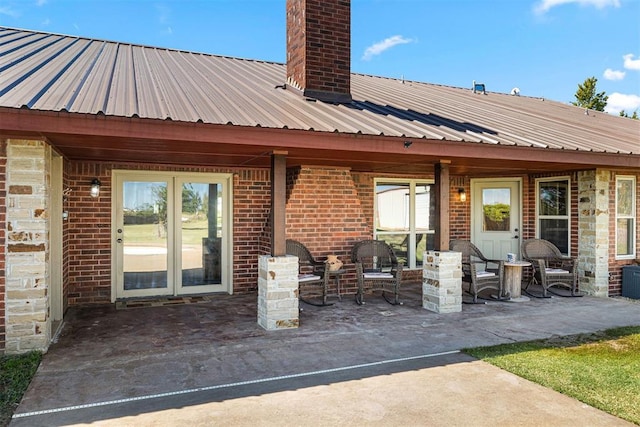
[50, 72]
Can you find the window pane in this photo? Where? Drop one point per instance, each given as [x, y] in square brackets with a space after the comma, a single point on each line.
[425, 208]
[496, 205]
[624, 195]
[553, 198]
[392, 205]
[557, 232]
[625, 234]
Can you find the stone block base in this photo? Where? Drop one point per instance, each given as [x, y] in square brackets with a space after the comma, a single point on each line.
[278, 292]
[442, 282]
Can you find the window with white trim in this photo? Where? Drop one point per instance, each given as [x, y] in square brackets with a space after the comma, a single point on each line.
[625, 216]
[553, 209]
[404, 211]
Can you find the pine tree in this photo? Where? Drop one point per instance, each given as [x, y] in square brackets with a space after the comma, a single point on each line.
[586, 96]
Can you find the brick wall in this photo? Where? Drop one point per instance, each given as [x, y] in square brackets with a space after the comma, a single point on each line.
[319, 45]
[325, 213]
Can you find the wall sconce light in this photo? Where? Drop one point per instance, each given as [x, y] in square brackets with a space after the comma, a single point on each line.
[95, 187]
[407, 144]
[462, 194]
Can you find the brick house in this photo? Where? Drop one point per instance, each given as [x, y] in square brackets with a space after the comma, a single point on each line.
[206, 163]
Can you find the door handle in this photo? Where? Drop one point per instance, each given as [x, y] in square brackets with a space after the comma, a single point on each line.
[515, 237]
[119, 240]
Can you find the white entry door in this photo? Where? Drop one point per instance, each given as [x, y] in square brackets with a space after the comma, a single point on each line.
[171, 234]
[496, 217]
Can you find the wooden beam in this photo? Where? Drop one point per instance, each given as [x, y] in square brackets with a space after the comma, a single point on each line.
[278, 202]
[442, 224]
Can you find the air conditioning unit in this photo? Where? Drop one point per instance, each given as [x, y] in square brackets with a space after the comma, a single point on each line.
[631, 281]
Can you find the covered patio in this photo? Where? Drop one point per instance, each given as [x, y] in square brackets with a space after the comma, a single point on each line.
[147, 359]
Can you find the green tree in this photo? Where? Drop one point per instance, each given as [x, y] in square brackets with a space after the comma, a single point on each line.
[587, 97]
[634, 116]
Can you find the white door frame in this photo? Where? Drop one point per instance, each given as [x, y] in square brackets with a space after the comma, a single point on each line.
[174, 269]
[476, 203]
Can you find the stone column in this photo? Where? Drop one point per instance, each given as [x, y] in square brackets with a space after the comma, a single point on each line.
[593, 232]
[442, 281]
[278, 292]
[28, 324]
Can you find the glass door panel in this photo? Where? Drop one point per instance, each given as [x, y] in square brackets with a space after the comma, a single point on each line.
[200, 236]
[143, 238]
[201, 249]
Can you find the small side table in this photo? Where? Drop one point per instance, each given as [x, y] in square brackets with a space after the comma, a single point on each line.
[513, 279]
[336, 278]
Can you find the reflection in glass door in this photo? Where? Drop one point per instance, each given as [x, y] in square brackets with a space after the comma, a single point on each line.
[200, 235]
[171, 232]
[144, 237]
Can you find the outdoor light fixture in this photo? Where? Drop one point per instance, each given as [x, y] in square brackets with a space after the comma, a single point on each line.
[95, 187]
[407, 144]
[462, 194]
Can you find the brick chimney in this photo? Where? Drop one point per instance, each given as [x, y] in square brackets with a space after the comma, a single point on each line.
[319, 49]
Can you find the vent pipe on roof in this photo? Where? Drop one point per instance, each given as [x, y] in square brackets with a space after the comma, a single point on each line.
[319, 49]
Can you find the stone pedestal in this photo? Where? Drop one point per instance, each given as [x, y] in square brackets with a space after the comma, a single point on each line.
[278, 292]
[442, 281]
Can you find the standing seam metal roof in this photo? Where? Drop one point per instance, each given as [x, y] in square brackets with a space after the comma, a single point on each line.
[50, 72]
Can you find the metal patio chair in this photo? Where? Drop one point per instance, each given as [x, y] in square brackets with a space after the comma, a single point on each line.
[550, 267]
[377, 268]
[313, 275]
[480, 272]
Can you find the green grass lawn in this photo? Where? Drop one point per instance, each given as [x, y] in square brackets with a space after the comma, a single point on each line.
[601, 369]
[192, 233]
[15, 375]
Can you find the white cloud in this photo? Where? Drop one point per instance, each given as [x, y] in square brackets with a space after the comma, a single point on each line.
[8, 11]
[630, 63]
[544, 6]
[388, 43]
[41, 2]
[610, 74]
[620, 101]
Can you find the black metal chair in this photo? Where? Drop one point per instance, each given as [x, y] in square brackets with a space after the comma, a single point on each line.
[377, 268]
[550, 267]
[313, 275]
[480, 272]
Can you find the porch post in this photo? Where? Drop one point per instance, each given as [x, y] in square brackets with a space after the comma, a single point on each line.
[442, 209]
[278, 202]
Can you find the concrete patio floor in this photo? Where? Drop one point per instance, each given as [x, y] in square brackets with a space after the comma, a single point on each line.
[210, 363]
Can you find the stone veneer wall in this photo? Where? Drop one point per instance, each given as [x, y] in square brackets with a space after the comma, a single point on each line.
[278, 292]
[593, 232]
[27, 269]
[442, 282]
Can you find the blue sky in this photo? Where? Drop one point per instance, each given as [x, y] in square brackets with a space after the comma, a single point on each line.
[543, 47]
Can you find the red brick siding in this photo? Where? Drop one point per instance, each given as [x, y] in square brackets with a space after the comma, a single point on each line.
[3, 228]
[459, 212]
[325, 213]
[319, 44]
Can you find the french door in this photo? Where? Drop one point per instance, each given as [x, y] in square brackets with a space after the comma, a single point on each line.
[171, 234]
[496, 216]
